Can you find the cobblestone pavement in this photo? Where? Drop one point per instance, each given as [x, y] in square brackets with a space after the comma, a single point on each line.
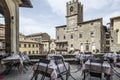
[16, 75]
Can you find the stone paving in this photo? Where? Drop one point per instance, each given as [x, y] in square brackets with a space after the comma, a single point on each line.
[16, 75]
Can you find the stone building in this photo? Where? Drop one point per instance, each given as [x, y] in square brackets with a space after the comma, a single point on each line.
[2, 38]
[43, 38]
[10, 10]
[25, 45]
[115, 34]
[52, 45]
[31, 47]
[78, 34]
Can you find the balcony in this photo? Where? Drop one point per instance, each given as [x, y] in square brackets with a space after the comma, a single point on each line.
[61, 49]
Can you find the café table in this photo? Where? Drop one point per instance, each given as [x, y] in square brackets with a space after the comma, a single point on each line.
[113, 56]
[105, 66]
[50, 56]
[52, 68]
[9, 62]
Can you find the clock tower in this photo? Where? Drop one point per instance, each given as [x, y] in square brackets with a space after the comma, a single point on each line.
[74, 13]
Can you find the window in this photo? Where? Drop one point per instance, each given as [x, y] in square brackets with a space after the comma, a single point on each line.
[33, 52]
[36, 45]
[71, 36]
[62, 45]
[33, 45]
[91, 23]
[71, 45]
[29, 52]
[107, 42]
[64, 37]
[19, 45]
[87, 47]
[71, 8]
[92, 34]
[80, 25]
[80, 35]
[57, 37]
[25, 45]
[29, 45]
[37, 52]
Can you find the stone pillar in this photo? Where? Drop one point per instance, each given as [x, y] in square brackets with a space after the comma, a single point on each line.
[12, 27]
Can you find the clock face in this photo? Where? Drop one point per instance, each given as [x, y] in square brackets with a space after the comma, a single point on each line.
[72, 23]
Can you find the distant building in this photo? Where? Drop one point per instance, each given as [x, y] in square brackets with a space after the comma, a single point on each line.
[80, 35]
[115, 34]
[43, 38]
[108, 39]
[2, 38]
[26, 45]
[52, 45]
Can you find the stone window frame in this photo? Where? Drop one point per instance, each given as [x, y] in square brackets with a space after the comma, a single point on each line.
[80, 25]
[29, 52]
[71, 36]
[71, 45]
[29, 45]
[80, 34]
[33, 45]
[92, 23]
[64, 37]
[92, 33]
[25, 45]
[58, 37]
[19, 45]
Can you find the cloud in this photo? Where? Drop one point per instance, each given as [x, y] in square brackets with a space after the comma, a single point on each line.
[95, 4]
[30, 25]
[51, 13]
[107, 17]
[58, 6]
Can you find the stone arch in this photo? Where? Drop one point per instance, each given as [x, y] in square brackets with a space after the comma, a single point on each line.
[6, 13]
[10, 10]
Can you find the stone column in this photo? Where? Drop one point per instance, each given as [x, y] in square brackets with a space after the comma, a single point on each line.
[12, 27]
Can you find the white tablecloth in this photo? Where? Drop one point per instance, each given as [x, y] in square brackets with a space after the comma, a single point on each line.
[50, 56]
[83, 56]
[114, 56]
[52, 68]
[13, 58]
[96, 66]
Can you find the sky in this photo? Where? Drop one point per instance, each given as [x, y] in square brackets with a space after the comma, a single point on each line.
[47, 14]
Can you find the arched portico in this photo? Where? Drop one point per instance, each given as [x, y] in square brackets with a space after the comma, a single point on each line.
[10, 10]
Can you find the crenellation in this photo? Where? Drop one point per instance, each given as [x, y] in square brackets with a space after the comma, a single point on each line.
[71, 2]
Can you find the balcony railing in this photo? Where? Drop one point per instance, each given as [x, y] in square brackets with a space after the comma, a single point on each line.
[61, 49]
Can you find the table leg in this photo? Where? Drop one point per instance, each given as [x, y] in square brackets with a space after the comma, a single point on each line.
[8, 68]
[84, 75]
[108, 77]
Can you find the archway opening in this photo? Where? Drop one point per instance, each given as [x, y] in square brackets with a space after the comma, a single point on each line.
[2, 34]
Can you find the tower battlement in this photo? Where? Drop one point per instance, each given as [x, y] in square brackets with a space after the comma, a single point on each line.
[71, 2]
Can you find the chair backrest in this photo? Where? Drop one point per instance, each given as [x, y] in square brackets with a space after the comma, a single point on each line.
[97, 69]
[45, 61]
[59, 60]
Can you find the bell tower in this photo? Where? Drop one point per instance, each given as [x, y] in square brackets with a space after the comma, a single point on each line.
[74, 13]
